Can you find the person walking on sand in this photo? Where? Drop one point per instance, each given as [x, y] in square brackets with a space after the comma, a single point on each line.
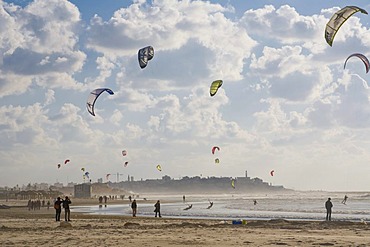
[134, 208]
[67, 211]
[328, 206]
[157, 209]
[48, 204]
[58, 208]
[345, 199]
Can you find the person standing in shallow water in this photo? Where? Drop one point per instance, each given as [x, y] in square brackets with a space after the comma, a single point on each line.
[157, 209]
[328, 206]
[134, 208]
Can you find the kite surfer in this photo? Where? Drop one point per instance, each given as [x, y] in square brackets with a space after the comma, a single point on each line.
[210, 205]
[189, 207]
[345, 199]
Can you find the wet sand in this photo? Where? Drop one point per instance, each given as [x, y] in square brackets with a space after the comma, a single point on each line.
[21, 227]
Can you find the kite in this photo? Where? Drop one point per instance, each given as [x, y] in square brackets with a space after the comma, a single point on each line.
[82, 169]
[214, 149]
[214, 87]
[87, 174]
[107, 176]
[272, 173]
[233, 183]
[126, 163]
[159, 168]
[94, 96]
[217, 160]
[144, 55]
[124, 153]
[66, 161]
[58, 166]
[337, 20]
[363, 59]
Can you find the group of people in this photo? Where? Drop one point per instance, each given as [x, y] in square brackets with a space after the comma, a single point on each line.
[157, 208]
[58, 204]
[36, 205]
[329, 205]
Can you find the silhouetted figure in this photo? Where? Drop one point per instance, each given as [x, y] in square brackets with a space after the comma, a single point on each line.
[183, 198]
[134, 208]
[157, 209]
[345, 199]
[58, 208]
[328, 206]
[189, 207]
[210, 205]
[130, 198]
[48, 204]
[67, 211]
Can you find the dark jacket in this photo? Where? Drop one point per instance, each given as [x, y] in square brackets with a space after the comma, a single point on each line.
[57, 204]
[157, 207]
[328, 205]
[133, 204]
[66, 203]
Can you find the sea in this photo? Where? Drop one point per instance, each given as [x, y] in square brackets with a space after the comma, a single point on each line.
[297, 205]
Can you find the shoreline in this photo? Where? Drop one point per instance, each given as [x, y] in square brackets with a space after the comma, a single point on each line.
[21, 227]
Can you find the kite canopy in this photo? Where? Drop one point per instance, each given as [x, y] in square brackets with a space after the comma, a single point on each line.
[94, 96]
[124, 153]
[363, 59]
[82, 169]
[214, 149]
[159, 168]
[217, 160]
[337, 20]
[87, 174]
[214, 87]
[233, 183]
[107, 176]
[58, 166]
[272, 173]
[144, 55]
[126, 163]
[66, 161]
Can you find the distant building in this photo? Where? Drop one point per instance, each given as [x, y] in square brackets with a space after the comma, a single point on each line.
[100, 180]
[71, 184]
[82, 190]
[58, 185]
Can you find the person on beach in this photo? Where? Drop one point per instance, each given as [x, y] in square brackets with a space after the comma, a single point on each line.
[345, 199]
[328, 206]
[58, 208]
[157, 209]
[183, 198]
[254, 202]
[48, 204]
[134, 208]
[67, 211]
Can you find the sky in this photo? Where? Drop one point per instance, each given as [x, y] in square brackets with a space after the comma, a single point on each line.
[286, 103]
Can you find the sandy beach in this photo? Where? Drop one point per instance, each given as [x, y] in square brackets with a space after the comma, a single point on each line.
[21, 227]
